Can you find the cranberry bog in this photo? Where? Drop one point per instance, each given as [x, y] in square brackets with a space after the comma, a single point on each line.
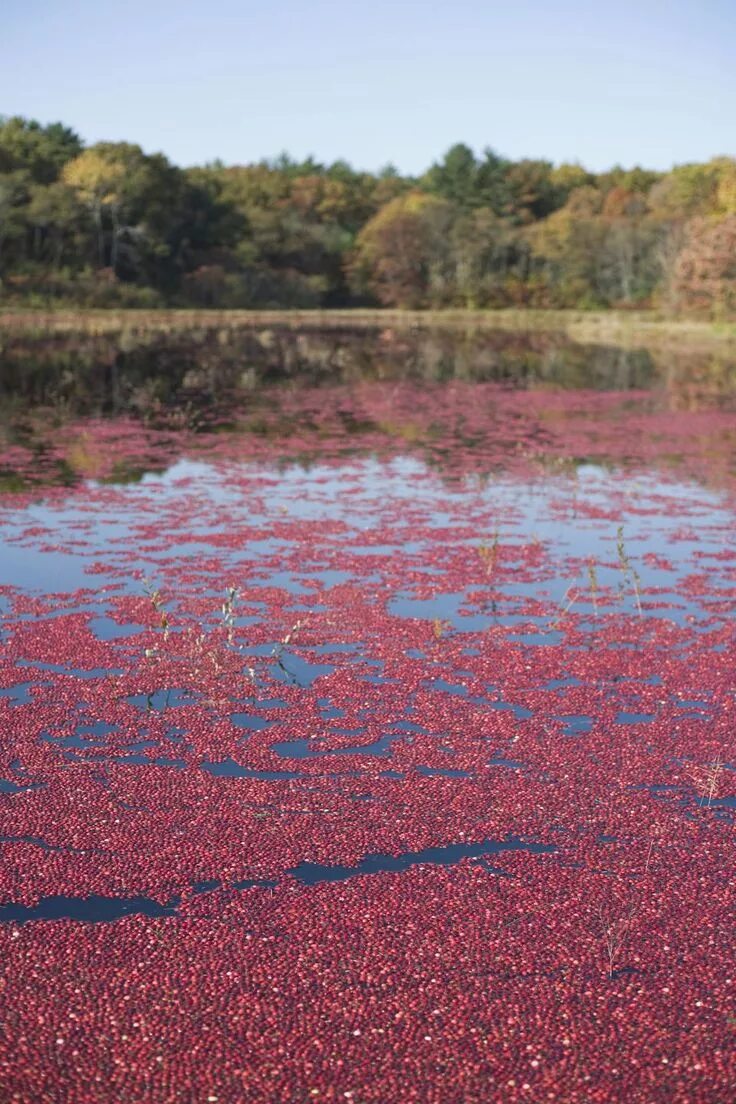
[369, 740]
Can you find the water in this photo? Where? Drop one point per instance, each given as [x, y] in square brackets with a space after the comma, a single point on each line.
[453, 550]
[388, 693]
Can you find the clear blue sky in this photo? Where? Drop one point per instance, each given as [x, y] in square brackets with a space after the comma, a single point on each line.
[626, 81]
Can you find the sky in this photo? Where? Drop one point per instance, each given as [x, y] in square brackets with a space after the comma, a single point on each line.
[649, 82]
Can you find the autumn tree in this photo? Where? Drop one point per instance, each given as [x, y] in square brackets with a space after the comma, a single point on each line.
[142, 208]
[401, 254]
[565, 250]
[486, 255]
[686, 191]
[705, 270]
[97, 178]
[532, 194]
[476, 230]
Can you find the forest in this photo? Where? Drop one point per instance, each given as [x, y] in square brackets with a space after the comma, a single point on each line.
[108, 225]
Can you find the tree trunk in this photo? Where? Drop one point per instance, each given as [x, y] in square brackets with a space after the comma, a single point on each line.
[114, 244]
[97, 212]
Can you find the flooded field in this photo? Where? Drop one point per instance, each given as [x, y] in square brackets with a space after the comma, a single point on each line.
[368, 709]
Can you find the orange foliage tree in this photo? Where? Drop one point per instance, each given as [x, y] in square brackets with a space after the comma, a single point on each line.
[705, 270]
[401, 253]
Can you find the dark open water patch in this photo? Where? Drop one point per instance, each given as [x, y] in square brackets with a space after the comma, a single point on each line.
[97, 909]
[94, 909]
[8, 787]
[20, 693]
[305, 748]
[228, 768]
[311, 873]
[442, 772]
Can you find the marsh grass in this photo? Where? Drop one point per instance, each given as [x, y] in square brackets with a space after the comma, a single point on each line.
[625, 328]
[594, 588]
[228, 612]
[706, 778]
[278, 651]
[212, 656]
[488, 554]
[616, 919]
[656, 835]
[627, 568]
[568, 600]
[159, 606]
[440, 628]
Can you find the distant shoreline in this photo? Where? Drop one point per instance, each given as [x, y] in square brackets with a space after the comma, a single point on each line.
[622, 328]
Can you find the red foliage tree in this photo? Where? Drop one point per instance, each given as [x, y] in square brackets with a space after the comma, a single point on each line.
[705, 270]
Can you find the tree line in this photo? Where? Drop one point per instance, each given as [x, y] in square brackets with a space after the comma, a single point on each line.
[110, 225]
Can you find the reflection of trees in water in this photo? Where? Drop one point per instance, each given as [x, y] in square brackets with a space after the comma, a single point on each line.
[153, 376]
[699, 381]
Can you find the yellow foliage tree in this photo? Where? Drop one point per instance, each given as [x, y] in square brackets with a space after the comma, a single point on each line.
[96, 176]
